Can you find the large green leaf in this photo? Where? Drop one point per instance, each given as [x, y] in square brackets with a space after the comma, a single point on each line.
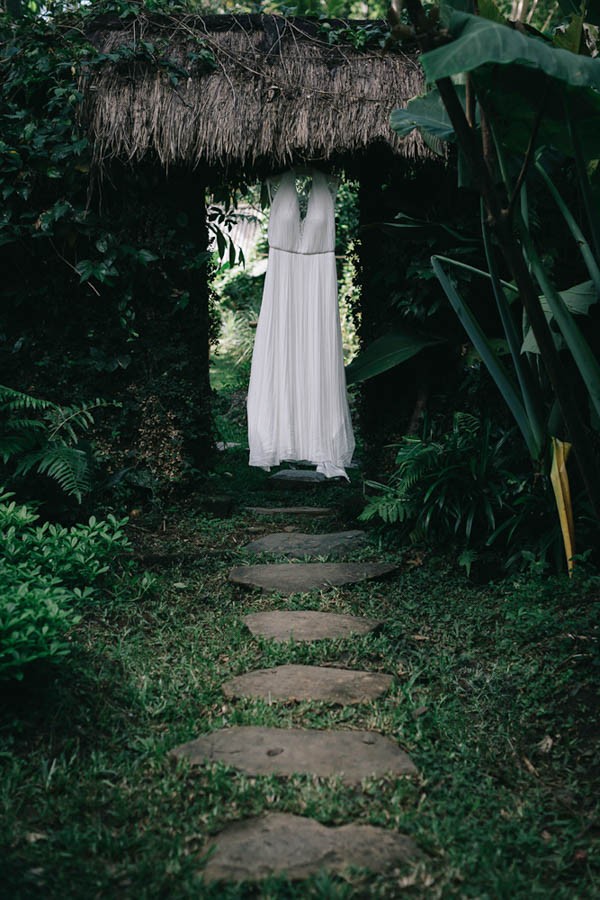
[514, 97]
[386, 352]
[529, 389]
[422, 228]
[583, 245]
[582, 353]
[480, 42]
[577, 299]
[428, 114]
[488, 355]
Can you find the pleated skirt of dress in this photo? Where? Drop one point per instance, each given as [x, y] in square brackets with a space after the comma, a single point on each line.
[297, 401]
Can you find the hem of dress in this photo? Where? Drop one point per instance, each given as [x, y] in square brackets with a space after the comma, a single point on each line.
[266, 465]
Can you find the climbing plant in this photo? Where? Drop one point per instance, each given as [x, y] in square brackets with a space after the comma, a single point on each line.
[88, 282]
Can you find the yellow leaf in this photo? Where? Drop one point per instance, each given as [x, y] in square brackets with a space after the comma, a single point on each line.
[562, 493]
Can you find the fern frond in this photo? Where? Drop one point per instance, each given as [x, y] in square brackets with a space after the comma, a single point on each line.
[464, 421]
[415, 463]
[13, 400]
[68, 466]
[70, 418]
[15, 444]
[28, 425]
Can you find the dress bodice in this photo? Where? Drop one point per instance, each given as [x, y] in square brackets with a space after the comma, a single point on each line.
[289, 230]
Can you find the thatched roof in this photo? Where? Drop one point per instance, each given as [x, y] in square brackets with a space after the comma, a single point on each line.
[243, 91]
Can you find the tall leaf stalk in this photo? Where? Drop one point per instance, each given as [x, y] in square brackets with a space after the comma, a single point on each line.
[505, 219]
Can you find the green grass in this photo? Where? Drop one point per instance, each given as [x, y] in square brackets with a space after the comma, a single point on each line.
[494, 698]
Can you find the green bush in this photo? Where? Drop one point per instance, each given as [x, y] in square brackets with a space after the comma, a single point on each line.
[47, 574]
[471, 484]
[452, 486]
[35, 617]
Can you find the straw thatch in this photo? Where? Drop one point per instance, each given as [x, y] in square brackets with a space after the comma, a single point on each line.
[238, 91]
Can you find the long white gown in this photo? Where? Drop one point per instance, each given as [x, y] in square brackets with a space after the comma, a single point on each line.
[297, 401]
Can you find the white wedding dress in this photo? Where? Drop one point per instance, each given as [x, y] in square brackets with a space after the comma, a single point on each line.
[297, 401]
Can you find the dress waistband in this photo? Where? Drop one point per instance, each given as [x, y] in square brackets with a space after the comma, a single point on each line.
[301, 252]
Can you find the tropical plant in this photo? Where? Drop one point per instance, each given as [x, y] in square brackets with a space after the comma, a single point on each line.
[469, 484]
[450, 486]
[39, 435]
[525, 100]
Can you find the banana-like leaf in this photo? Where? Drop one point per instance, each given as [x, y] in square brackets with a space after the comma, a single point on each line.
[577, 299]
[481, 42]
[520, 75]
[420, 227]
[386, 352]
[515, 96]
[529, 388]
[489, 356]
[514, 99]
[583, 245]
[582, 353]
[428, 114]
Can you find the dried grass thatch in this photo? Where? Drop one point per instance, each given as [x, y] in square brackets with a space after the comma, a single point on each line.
[272, 92]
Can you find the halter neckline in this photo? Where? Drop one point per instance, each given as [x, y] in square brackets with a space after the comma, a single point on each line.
[313, 177]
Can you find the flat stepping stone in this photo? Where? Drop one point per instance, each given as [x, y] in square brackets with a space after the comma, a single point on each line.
[351, 755]
[330, 685]
[290, 578]
[307, 625]
[299, 544]
[290, 510]
[298, 476]
[283, 844]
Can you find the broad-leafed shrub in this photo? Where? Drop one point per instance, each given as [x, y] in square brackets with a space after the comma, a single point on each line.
[47, 574]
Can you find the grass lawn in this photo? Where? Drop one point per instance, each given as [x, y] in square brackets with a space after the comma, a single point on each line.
[494, 698]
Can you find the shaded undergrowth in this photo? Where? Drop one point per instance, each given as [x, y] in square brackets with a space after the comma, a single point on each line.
[494, 697]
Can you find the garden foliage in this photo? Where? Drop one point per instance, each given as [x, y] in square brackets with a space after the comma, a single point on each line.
[49, 574]
[522, 109]
[43, 436]
[97, 299]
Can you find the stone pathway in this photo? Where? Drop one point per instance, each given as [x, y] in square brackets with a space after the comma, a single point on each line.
[298, 478]
[307, 625]
[293, 511]
[279, 843]
[324, 683]
[298, 544]
[349, 755]
[293, 578]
